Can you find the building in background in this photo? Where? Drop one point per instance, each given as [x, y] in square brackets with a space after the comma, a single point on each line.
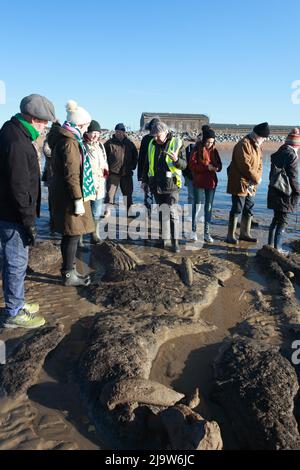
[244, 129]
[178, 122]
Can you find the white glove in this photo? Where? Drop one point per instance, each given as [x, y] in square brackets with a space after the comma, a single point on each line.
[79, 207]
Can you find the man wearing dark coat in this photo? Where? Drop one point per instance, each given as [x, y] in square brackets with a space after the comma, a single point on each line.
[122, 158]
[20, 197]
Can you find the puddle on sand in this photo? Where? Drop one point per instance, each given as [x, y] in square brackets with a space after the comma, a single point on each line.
[186, 363]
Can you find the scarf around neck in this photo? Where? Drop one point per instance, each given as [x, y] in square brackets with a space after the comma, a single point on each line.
[87, 183]
[34, 134]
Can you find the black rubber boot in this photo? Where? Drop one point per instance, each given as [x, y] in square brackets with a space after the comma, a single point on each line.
[175, 243]
[245, 233]
[232, 226]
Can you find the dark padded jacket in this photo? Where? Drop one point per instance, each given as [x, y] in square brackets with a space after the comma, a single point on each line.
[20, 189]
[122, 156]
[287, 158]
[143, 154]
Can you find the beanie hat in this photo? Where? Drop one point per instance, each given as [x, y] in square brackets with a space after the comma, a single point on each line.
[153, 121]
[159, 127]
[293, 138]
[208, 134]
[76, 114]
[205, 128]
[94, 127]
[262, 130]
[120, 127]
[38, 107]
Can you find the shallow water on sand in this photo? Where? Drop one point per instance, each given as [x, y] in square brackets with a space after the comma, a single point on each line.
[222, 203]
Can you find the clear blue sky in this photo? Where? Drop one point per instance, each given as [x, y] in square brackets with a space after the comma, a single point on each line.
[232, 60]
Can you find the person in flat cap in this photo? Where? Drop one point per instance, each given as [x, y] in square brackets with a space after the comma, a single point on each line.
[283, 202]
[20, 197]
[122, 157]
[244, 175]
[39, 107]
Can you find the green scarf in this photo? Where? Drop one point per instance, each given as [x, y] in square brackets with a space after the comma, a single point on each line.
[34, 134]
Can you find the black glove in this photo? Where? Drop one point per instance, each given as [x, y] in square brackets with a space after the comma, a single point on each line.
[31, 234]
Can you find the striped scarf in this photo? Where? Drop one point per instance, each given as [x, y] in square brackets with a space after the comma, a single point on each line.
[88, 187]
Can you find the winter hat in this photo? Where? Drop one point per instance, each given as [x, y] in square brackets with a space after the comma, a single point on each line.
[205, 128]
[159, 127]
[262, 130]
[209, 134]
[94, 127]
[120, 127]
[76, 114]
[153, 121]
[293, 138]
[39, 107]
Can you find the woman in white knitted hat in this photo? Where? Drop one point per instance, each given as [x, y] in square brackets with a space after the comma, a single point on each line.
[73, 188]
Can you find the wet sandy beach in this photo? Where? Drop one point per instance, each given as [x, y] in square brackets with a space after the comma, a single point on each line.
[53, 417]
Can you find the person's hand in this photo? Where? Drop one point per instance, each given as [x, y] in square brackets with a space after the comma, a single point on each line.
[31, 234]
[144, 187]
[79, 207]
[173, 156]
[212, 168]
[105, 174]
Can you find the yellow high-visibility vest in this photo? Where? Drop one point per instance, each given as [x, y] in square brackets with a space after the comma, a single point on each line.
[172, 146]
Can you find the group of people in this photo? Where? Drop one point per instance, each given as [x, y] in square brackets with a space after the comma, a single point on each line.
[200, 162]
[83, 176]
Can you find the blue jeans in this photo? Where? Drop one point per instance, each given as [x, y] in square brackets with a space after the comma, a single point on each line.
[97, 208]
[14, 265]
[190, 188]
[206, 197]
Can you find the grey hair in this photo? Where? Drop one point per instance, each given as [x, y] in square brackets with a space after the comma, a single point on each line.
[159, 127]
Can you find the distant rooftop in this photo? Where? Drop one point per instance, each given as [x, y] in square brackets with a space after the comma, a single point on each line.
[250, 126]
[173, 115]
